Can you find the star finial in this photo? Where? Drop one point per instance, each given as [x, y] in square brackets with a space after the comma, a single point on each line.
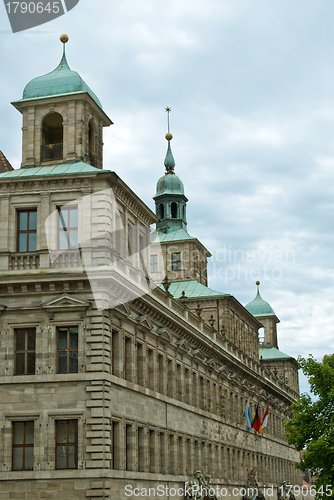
[168, 110]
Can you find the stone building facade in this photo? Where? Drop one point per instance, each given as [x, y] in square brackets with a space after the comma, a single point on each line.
[107, 380]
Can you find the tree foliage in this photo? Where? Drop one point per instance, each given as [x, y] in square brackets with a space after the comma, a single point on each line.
[313, 423]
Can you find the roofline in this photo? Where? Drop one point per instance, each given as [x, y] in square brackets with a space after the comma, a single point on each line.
[182, 241]
[264, 316]
[157, 196]
[112, 177]
[20, 104]
[229, 297]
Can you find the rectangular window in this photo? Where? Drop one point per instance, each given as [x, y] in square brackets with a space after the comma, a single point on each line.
[66, 444]
[161, 374]
[154, 263]
[141, 244]
[152, 451]
[131, 249]
[176, 261]
[129, 447]
[140, 364]
[119, 234]
[26, 231]
[116, 445]
[141, 449]
[162, 453]
[25, 346]
[150, 369]
[23, 446]
[127, 358]
[67, 349]
[67, 227]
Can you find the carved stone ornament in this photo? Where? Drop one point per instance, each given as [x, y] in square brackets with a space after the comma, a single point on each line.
[199, 487]
[284, 492]
[253, 491]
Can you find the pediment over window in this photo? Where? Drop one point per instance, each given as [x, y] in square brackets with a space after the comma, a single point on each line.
[65, 303]
[145, 321]
[197, 353]
[162, 332]
[124, 309]
[182, 344]
[210, 362]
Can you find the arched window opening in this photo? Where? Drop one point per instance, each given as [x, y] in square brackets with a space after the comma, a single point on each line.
[261, 336]
[184, 212]
[174, 210]
[52, 137]
[161, 214]
[91, 144]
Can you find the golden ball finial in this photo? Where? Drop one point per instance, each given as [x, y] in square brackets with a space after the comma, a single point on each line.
[64, 38]
[169, 136]
[257, 283]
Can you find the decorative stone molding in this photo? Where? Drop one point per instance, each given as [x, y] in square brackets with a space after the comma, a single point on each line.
[65, 303]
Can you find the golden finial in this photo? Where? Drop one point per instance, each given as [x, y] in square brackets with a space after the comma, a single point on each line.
[64, 38]
[257, 283]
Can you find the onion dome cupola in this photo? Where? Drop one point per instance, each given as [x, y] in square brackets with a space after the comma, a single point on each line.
[62, 119]
[263, 311]
[170, 200]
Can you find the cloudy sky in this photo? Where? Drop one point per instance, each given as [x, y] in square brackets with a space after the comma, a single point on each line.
[251, 87]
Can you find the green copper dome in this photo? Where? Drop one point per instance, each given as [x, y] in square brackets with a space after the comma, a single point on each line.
[60, 81]
[259, 307]
[169, 184]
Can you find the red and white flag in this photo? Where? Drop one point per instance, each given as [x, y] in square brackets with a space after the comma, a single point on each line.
[265, 419]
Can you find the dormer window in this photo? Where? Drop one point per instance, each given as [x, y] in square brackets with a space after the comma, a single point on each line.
[52, 137]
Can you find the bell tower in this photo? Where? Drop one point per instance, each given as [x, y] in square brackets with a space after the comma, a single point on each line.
[184, 257]
[63, 119]
[263, 312]
[170, 200]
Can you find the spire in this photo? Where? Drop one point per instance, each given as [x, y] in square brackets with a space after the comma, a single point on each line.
[169, 159]
[63, 62]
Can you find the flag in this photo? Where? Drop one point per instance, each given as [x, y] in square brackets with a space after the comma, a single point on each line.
[256, 422]
[247, 415]
[265, 419]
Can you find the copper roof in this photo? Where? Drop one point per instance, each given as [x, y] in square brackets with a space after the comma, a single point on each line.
[5, 166]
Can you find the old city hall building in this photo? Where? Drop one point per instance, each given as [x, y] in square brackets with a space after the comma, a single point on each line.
[118, 364]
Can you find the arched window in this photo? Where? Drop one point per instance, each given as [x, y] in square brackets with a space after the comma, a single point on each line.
[91, 144]
[52, 137]
[161, 214]
[174, 210]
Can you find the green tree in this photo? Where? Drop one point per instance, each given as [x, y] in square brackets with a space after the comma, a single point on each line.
[313, 423]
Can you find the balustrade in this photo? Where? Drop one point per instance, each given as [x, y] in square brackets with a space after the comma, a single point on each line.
[23, 261]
